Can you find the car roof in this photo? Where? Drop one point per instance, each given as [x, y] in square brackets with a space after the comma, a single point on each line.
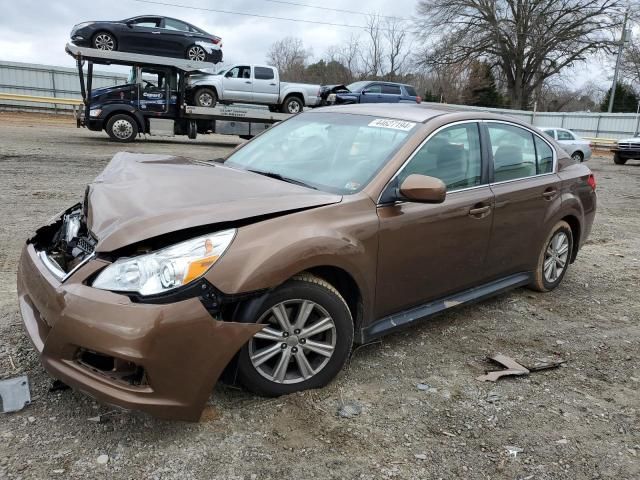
[420, 113]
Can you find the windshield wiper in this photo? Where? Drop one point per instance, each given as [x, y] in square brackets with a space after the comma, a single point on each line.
[277, 176]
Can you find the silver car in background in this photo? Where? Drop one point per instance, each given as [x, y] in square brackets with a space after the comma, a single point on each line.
[574, 145]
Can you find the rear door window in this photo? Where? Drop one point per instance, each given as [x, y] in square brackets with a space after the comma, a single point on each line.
[264, 73]
[171, 24]
[391, 89]
[564, 135]
[514, 153]
[452, 155]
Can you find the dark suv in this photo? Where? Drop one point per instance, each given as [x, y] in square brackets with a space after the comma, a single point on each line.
[369, 92]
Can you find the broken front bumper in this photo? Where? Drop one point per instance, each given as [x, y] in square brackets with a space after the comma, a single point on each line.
[160, 359]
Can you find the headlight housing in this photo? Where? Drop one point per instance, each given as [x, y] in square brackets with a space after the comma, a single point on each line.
[165, 269]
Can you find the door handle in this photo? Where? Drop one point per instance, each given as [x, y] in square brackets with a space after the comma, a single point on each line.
[479, 210]
[155, 32]
[272, 84]
[247, 82]
[549, 194]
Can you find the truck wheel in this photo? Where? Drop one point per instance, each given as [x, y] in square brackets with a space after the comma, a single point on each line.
[617, 160]
[292, 105]
[122, 128]
[205, 97]
[192, 130]
[306, 341]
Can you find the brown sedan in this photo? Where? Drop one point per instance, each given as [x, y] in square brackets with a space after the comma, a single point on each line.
[333, 228]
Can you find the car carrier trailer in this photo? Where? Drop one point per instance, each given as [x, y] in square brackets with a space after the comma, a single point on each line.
[154, 100]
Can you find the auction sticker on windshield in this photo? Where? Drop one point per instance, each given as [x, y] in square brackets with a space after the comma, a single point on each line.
[394, 124]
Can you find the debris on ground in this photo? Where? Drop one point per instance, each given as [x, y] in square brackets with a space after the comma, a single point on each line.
[102, 459]
[14, 393]
[513, 451]
[349, 410]
[513, 368]
[58, 386]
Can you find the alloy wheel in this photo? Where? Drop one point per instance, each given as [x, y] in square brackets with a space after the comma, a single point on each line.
[196, 53]
[297, 342]
[556, 257]
[205, 99]
[104, 41]
[122, 129]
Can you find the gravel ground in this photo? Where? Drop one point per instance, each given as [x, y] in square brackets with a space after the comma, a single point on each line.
[406, 407]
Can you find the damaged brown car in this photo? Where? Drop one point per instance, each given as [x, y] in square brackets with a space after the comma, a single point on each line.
[332, 228]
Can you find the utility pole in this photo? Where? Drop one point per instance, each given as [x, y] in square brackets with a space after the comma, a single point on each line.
[623, 38]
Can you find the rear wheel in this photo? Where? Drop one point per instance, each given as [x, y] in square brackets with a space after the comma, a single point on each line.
[122, 128]
[196, 53]
[292, 105]
[617, 160]
[578, 156]
[306, 340]
[205, 97]
[104, 41]
[554, 258]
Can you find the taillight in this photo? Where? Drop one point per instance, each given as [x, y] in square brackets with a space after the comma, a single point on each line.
[592, 182]
[216, 40]
[418, 99]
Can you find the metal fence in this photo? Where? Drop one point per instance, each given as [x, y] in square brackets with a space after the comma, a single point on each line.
[585, 124]
[61, 82]
[47, 81]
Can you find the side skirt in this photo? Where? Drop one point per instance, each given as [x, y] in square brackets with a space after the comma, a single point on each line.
[406, 318]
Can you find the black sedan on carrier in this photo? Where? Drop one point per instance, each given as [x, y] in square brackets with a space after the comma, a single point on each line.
[150, 35]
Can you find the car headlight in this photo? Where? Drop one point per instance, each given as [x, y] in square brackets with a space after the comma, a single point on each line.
[95, 112]
[165, 269]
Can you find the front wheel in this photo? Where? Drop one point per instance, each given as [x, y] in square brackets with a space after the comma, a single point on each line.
[617, 160]
[122, 128]
[104, 41]
[306, 341]
[292, 105]
[554, 258]
[205, 97]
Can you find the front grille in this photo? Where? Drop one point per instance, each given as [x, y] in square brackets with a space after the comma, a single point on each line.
[628, 146]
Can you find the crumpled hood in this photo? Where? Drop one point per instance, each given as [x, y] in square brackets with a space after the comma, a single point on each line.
[138, 197]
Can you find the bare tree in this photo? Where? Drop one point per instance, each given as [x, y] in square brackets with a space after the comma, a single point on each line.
[371, 52]
[348, 54]
[290, 57]
[397, 49]
[529, 40]
[630, 65]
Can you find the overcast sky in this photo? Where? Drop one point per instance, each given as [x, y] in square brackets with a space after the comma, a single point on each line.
[37, 30]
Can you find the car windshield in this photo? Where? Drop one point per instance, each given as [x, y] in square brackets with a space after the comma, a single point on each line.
[357, 86]
[338, 153]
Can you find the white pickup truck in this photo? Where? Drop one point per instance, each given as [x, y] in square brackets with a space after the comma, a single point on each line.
[258, 84]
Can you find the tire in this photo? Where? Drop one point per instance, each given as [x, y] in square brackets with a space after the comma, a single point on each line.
[323, 303]
[205, 97]
[122, 128]
[578, 156]
[559, 246]
[292, 105]
[196, 53]
[104, 41]
[617, 160]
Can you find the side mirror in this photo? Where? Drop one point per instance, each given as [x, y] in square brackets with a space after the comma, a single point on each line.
[423, 189]
[229, 74]
[130, 24]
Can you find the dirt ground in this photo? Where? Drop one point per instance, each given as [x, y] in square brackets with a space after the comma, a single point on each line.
[581, 421]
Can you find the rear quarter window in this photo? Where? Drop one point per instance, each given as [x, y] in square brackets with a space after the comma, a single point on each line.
[410, 91]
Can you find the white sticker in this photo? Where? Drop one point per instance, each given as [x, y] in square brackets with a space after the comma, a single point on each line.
[394, 124]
